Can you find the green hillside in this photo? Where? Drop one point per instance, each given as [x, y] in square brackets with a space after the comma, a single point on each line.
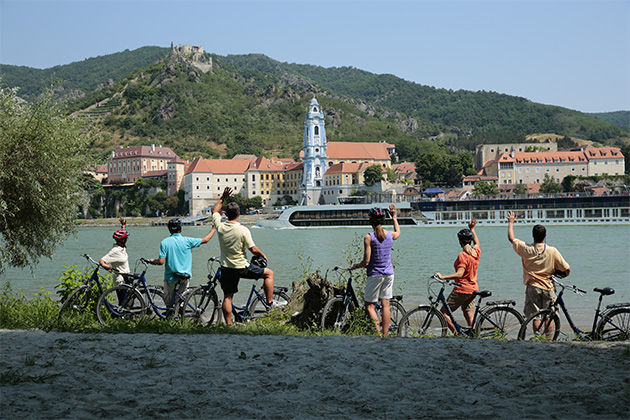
[77, 79]
[255, 105]
[618, 118]
[441, 109]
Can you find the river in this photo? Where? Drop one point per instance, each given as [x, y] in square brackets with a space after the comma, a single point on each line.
[599, 256]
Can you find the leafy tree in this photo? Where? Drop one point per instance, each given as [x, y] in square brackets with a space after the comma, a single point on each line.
[391, 175]
[485, 188]
[568, 183]
[550, 185]
[373, 175]
[520, 189]
[42, 158]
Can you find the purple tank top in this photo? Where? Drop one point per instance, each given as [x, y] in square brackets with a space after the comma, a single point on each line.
[381, 261]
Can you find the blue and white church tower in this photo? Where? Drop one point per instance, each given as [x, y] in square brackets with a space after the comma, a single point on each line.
[314, 154]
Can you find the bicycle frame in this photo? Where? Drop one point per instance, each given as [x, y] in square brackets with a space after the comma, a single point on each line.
[142, 286]
[94, 277]
[559, 302]
[242, 312]
[468, 331]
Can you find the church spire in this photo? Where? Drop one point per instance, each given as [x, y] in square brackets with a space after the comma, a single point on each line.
[314, 152]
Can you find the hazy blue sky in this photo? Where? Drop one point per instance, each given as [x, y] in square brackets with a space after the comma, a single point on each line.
[569, 53]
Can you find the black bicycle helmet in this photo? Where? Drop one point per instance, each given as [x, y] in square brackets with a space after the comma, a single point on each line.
[376, 213]
[174, 225]
[465, 235]
[259, 260]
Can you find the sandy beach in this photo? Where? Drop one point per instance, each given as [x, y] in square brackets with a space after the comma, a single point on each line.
[164, 376]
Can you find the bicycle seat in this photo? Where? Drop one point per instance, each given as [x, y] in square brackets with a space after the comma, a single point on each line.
[129, 276]
[483, 293]
[605, 291]
[182, 276]
[282, 289]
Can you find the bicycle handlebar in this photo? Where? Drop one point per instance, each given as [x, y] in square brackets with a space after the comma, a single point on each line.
[443, 281]
[87, 257]
[341, 268]
[573, 287]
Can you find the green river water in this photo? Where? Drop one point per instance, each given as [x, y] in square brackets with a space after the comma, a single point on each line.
[599, 256]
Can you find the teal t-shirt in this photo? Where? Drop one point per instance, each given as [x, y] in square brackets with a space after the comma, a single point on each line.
[177, 251]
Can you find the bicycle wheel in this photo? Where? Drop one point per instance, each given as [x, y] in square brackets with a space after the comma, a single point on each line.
[120, 302]
[76, 304]
[202, 306]
[258, 308]
[614, 326]
[335, 314]
[424, 321]
[541, 325]
[397, 311]
[499, 322]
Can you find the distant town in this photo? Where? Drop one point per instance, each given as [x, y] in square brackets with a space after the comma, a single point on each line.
[331, 172]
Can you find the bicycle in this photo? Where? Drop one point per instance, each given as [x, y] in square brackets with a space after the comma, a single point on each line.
[125, 301]
[337, 311]
[611, 324]
[496, 320]
[202, 304]
[78, 301]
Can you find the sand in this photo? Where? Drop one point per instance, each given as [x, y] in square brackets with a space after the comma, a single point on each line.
[165, 376]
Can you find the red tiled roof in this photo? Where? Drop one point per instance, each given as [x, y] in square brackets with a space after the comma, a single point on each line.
[348, 168]
[144, 151]
[218, 166]
[359, 151]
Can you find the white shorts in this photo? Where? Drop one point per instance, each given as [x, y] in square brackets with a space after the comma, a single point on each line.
[379, 287]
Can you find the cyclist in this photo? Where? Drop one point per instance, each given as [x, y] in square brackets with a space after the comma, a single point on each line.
[466, 266]
[377, 248]
[234, 240]
[176, 253]
[539, 263]
[117, 256]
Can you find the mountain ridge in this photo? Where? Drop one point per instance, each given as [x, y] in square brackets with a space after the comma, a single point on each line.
[254, 104]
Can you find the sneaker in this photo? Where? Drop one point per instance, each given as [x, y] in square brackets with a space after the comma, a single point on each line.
[276, 305]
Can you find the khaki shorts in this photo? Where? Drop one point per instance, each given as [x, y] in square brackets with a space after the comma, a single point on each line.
[537, 299]
[379, 287]
[465, 300]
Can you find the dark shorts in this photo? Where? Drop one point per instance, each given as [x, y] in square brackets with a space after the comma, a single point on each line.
[464, 300]
[230, 277]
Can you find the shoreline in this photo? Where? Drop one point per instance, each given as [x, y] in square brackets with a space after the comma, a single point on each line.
[245, 219]
[161, 376]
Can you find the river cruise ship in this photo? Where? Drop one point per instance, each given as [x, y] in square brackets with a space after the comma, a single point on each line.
[567, 209]
[556, 209]
[335, 215]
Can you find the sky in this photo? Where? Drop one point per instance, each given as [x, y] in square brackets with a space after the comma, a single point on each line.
[574, 54]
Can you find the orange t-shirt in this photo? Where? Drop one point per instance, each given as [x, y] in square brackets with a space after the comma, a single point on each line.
[469, 279]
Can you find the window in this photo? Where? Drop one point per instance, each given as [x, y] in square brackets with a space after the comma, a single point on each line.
[317, 130]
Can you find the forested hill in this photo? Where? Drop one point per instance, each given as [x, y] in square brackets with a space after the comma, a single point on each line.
[618, 118]
[77, 79]
[254, 104]
[460, 111]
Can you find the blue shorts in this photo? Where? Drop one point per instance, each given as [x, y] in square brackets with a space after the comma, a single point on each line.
[230, 277]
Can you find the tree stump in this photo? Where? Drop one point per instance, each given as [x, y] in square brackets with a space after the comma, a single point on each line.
[308, 299]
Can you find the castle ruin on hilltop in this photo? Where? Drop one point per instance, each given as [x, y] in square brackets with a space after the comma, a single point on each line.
[192, 54]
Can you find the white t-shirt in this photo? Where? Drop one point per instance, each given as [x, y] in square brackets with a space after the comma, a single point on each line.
[118, 259]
